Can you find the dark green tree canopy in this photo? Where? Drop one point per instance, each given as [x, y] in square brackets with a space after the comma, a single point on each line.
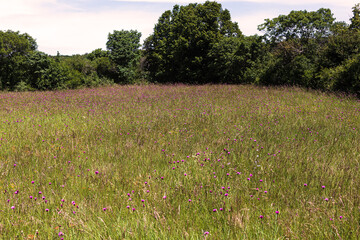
[13, 43]
[179, 48]
[97, 53]
[355, 20]
[341, 45]
[298, 25]
[124, 52]
[14, 48]
[123, 46]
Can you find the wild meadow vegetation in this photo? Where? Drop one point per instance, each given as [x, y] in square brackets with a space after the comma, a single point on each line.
[153, 161]
[179, 162]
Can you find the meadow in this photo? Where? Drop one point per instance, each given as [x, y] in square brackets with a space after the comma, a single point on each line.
[179, 162]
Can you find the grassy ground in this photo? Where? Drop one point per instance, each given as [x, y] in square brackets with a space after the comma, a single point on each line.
[172, 162]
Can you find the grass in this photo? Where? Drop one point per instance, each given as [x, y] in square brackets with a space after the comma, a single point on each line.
[179, 162]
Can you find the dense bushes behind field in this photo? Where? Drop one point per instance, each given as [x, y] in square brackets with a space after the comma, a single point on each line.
[199, 44]
[23, 67]
[307, 49]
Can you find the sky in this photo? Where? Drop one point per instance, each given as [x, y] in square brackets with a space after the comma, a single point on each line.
[81, 26]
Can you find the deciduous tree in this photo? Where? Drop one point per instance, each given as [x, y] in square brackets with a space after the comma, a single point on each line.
[14, 48]
[298, 25]
[124, 52]
[180, 49]
[355, 20]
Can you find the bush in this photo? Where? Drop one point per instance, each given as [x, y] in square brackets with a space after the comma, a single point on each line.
[22, 87]
[345, 77]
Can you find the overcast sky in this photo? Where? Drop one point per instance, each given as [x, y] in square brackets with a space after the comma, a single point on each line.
[80, 26]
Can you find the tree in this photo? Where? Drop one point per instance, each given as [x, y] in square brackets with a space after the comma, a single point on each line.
[298, 25]
[340, 46]
[233, 58]
[296, 42]
[105, 68]
[340, 58]
[97, 53]
[44, 72]
[344, 77]
[355, 20]
[124, 52]
[180, 49]
[14, 48]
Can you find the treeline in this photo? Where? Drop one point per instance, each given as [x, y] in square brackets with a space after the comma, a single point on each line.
[23, 67]
[198, 44]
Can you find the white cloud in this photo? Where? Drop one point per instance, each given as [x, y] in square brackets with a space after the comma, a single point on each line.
[24, 7]
[77, 32]
[300, 2]
[248, 23]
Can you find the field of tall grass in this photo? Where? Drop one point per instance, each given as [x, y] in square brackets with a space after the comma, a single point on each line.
[179, 162]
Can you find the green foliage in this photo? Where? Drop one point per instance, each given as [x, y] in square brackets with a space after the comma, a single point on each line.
[22, 87]
[232, 59]
[23, 68]
[342, 45]
[88, 70]
[104, 67]
[181, 47]
[56, 76]
[124, 51]
[197, 44]
[345, 77]
[349, 79]
[298, 25]
[81, 64]
[39, 75]
[97, 53]
[226, 62]
[14, 48]
[15, 44]
[289, 63]
[308, 49]
[355, 20]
